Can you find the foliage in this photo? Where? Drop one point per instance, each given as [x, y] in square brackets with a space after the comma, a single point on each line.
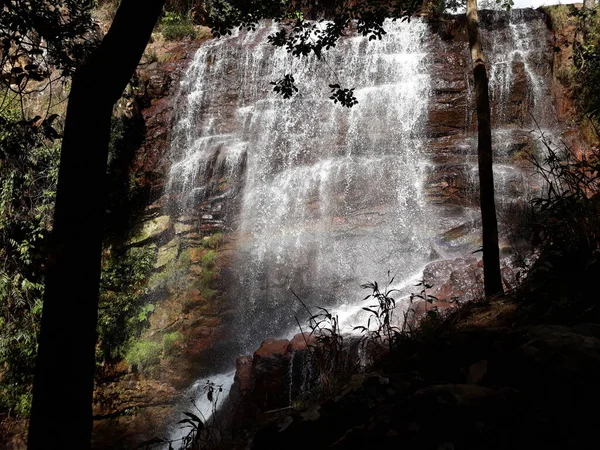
[29, 158]
[213, 241]
[330, 355]
[567, 229]
[200, 432]
[301, 37]
[182, 6]
[586, 62]
[285, 86]
[203, 433]
[37, 36]
[568, 212]
[560, 16]
[176, 27]
[171, 341]
[125, 199]
[123, 309]
[208, 259]
[144, 354]
[41, 44]
[28, 176]
[381, 315]
[344, 96]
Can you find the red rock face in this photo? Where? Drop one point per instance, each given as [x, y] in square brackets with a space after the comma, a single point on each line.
[301, 341]
[271, 348]
[273, 377]
[270, 374]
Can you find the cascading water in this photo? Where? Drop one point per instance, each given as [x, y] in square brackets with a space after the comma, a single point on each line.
[513, 47]
[317, 198]
[331, 197]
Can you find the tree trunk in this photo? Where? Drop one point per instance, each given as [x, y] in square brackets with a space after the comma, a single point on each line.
[61, 416]
[491, 254]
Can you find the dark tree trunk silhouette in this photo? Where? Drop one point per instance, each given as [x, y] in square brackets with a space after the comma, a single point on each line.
[491, 253]
[61, 416]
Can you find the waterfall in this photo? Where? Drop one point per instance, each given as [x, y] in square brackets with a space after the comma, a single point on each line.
[329, 198]
[317, 198]
[517, 48]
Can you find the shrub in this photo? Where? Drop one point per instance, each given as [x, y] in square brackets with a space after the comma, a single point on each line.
[124, 310]
[176, 27]
[209, 259]
[28, 173]
[144, 355]
[170, 341]
[567, 228]
[213, 241]
[568, 212]
[586, 65]
[560, 16]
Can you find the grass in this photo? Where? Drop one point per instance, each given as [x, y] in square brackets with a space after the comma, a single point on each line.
[177, 27]
[144, 355]
[560, 16]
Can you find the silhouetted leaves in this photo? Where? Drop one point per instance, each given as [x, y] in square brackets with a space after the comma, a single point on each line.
[344, 96]
[285, 87]
[301, 37]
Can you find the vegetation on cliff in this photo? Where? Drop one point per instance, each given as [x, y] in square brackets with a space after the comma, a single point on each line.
[577, 46]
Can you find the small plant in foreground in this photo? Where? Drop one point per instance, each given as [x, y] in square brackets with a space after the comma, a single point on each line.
[330, 355]
[381, 314]
[200, 432]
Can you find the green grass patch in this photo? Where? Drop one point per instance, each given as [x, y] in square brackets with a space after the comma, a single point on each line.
[213, 241]
[176, 27]
[144, 355]
[171, 341]
[208, 259]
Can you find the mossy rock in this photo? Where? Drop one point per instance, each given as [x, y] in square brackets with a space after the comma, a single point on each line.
[184, 228]
[152, 229]
[167, 254]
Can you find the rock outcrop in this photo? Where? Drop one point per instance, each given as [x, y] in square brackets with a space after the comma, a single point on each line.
[482, 388]
[276, 375]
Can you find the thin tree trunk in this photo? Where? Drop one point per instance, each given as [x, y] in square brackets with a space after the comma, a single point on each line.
[61, 416]
[491, 254]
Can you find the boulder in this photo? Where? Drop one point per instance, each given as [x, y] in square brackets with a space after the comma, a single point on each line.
[152, 229]
[166, 254]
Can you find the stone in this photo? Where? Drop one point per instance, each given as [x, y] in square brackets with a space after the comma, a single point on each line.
[167, 254]
[272, 348]
[270, 367]
[301, 341]
[183, 228]
[152, 229]
[243, 373]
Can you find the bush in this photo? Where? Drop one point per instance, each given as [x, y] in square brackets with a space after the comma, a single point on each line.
[560, 15]
[560, 285]
[586, 66]
[209, 259]
[170, 341]
[124, 310]
[144, 355]
[176, 27]
[568, 213]
[28, 173]
[213, 241]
